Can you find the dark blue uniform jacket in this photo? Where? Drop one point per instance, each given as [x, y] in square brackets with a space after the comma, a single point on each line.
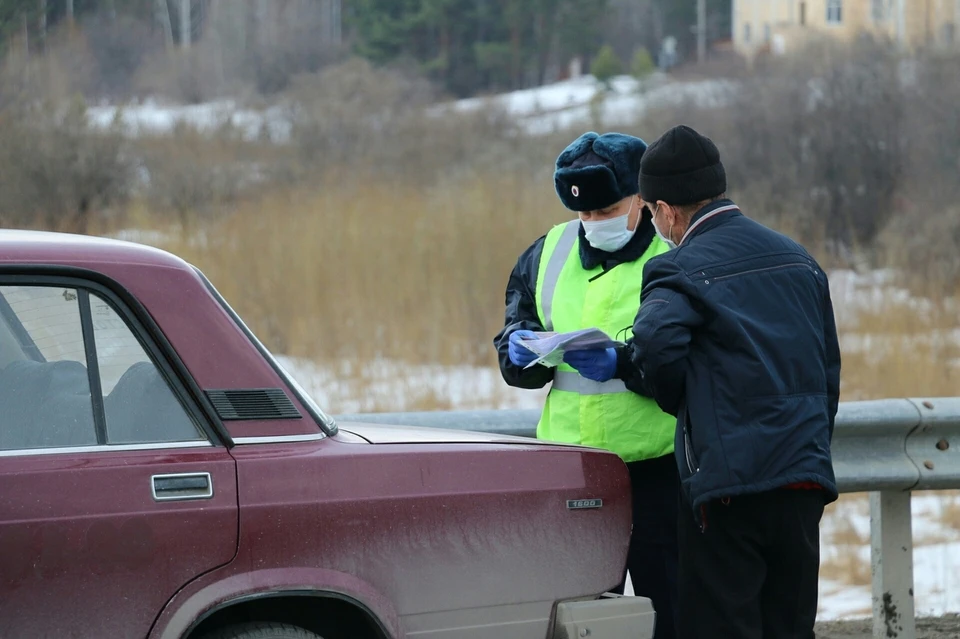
[736, 338]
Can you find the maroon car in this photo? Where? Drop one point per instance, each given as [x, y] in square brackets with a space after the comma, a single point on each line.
[162, 476]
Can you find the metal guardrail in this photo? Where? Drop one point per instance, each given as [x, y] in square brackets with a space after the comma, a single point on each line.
[887, 447]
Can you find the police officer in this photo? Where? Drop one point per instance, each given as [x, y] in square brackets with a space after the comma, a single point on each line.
[588, 273]
[736, 337]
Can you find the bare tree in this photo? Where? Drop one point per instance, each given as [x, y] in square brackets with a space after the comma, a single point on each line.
[43, 22]
[162, 12]
[186, 24]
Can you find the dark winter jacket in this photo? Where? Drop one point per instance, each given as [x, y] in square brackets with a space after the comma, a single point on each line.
[736, 337]
[521, 301]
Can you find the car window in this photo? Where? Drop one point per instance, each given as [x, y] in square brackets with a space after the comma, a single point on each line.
[51, 391]
[44, 388]
[50, 319]
[139, 405]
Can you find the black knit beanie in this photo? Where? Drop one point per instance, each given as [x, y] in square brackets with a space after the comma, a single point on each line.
[682, 167]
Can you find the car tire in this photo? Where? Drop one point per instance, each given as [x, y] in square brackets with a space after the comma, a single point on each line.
[262, 631]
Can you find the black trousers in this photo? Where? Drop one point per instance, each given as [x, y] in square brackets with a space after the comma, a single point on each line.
[652, 558]
[752, 572]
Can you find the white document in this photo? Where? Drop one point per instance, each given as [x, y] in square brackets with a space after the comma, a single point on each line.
[549, 347]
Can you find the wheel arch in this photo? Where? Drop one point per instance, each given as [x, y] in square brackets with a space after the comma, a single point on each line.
[276, 588]
[329, 614]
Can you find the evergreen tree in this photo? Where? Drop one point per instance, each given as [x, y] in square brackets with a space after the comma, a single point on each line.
[471, 46]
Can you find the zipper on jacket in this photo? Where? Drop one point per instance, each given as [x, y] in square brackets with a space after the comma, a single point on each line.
[688, 450]
[606, 269]
[761, 270]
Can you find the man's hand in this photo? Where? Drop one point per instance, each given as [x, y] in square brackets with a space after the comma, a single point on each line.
[520, 355]
[598, 364]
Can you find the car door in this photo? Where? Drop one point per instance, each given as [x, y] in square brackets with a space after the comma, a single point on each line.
[114, 491]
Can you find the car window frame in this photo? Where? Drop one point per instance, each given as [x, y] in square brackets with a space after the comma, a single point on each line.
[325, 422]
[145, 330]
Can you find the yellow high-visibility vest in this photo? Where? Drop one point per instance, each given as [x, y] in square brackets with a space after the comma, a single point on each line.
[578, 410]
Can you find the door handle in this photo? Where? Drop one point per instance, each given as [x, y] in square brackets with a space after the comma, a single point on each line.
[181, 486]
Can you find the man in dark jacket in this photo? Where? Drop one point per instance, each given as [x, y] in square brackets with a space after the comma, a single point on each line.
[736, 337]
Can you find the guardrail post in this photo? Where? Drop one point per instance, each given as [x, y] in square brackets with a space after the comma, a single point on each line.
[891, 559]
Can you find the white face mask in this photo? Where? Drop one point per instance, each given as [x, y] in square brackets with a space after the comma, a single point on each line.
[609, 235]
[666, 240]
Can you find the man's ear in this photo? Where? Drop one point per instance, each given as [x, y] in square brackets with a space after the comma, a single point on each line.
[669, 212]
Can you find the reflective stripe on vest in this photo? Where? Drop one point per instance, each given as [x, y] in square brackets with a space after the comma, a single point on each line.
[569, 297]
[558, 258]
[576, 383]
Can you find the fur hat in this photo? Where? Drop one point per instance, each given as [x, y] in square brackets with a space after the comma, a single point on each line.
[596, 171]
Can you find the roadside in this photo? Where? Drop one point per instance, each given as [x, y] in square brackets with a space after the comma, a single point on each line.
[945, 627]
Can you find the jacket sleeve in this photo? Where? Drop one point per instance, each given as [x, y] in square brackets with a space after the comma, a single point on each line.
[832, 344]
[521, 314]
[662, 332]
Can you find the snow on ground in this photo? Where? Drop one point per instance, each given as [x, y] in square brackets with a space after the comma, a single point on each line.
[853, 292]
[936, 561]
[537, 110]
[153, 117]
[876, 291]
[158, 239]
[388, 386]
[564, 104]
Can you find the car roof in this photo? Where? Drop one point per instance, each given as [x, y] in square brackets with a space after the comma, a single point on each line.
[44, 247]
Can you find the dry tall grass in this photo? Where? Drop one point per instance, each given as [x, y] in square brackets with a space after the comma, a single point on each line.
[356, 268]
[361, 268]
[903, 350]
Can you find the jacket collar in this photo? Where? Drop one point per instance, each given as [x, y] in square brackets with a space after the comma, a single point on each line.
[710, 216]
[591, 258]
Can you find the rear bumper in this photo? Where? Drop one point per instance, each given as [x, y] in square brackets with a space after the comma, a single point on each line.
[609, 617]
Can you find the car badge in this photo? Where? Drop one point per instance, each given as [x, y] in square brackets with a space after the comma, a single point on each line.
[584, 504]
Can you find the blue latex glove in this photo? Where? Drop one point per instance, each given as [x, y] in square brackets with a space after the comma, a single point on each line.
[598, 365]
[520, 355]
